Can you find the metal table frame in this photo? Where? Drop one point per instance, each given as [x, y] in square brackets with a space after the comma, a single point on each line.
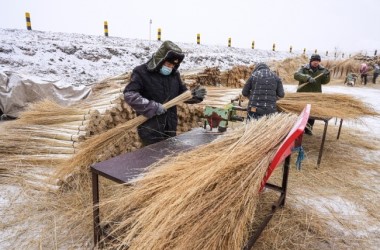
[326, 121]
[277, 204]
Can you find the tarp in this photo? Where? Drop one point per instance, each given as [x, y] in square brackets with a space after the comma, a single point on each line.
[17, 91]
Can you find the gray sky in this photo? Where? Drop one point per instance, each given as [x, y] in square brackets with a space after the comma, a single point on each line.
[346, 25]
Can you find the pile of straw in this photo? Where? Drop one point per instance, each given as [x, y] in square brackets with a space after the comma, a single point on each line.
[220, 96]
[236, 76]
[98, 147]
[202, 199]
[285, 69]
[326, 105]
[207, 77]
[339, 69]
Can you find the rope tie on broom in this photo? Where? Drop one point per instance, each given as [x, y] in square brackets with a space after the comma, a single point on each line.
[300, 156]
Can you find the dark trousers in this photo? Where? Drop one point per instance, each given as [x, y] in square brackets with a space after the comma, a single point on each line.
[253, 115]
[375, 75]
[364, 78]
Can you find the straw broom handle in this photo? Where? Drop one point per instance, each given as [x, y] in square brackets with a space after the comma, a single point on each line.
[304, 84]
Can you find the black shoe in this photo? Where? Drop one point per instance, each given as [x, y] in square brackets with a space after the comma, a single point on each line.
[308, 132]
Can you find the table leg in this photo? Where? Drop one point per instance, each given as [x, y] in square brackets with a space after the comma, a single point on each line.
[95, 200]
[340, 127]
[322, 143]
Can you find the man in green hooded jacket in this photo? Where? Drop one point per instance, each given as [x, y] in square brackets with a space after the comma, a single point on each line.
[311, 77]
[154, 83]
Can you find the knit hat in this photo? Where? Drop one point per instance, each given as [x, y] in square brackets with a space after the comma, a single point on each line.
[315, 57]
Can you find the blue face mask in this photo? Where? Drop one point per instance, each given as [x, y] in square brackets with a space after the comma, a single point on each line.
[165, 70]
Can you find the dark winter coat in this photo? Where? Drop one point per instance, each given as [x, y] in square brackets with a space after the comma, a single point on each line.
[303, 74]
[263, 89]
[148, 89]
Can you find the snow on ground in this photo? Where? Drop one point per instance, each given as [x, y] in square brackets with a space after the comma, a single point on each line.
[83, 59]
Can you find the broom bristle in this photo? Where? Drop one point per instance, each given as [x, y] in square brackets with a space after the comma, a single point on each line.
[202, 199]
[326, 105]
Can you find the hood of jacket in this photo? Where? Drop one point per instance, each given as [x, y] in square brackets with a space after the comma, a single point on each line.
[168, 51]
[260, 66]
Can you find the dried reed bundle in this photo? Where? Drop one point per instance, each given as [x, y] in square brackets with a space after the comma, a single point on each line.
[22, 162]
[220, 97]
[48, 112]
[340, 68]
[285, 69]
[94, 148]
[202, 199]
[326, 105]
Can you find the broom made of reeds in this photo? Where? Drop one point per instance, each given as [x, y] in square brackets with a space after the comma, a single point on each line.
[326, 105]
[92, 149]
[201, 199]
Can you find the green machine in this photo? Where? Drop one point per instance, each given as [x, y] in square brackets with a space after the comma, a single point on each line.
[219, 117]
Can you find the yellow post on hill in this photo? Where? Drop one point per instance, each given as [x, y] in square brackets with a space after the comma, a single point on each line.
[28, 22]
[274, 47]
[253, 44]
[159, 34]
[229, 42]
[198, 38]
[105, 28]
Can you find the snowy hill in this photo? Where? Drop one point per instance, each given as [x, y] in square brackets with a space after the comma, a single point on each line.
[83, 59]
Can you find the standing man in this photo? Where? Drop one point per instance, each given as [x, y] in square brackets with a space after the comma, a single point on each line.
[363, 73]
[154, 83]
[311, 77]
[376, 72]
[263, 88]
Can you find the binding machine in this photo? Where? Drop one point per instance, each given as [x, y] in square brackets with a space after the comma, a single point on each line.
[219, 117]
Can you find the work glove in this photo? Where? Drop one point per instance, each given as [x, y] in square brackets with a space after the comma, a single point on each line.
[311, 80]
[161, 109]
[199, 92]
[326, 73]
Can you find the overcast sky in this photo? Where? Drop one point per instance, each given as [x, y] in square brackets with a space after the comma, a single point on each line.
[345, 25]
